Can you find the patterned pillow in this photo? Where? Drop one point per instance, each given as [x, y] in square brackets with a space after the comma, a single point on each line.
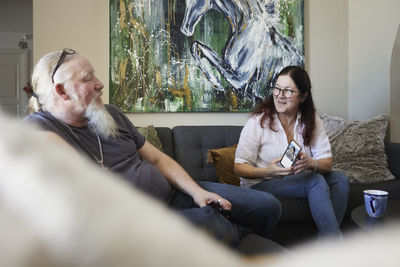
[150, 133]
[332, 124]
[358, 150]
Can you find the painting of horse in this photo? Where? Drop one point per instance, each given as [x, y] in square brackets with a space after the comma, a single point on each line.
[200, 55]
[254, 51]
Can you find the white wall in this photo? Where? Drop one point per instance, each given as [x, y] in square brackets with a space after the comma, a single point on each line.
[373, 26]
[347, 53]
[77, 24]
[395, 91]
[326, 54]
[15, 15]
[15, 22]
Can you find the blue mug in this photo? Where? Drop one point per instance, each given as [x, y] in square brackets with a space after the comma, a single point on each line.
[375, 202]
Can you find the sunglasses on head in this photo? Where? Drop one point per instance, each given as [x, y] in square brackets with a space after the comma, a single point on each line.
[65, 52]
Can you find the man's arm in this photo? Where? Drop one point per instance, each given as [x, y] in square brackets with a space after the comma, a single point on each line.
[179, 178]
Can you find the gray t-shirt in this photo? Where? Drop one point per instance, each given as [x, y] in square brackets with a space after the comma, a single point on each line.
[120, 155]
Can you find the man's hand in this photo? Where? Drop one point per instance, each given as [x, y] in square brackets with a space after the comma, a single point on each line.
[179, 178]
[203, 198]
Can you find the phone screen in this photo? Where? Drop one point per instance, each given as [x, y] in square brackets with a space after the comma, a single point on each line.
[290, 155]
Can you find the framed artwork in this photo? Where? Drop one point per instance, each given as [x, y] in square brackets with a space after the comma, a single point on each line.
[200, 55]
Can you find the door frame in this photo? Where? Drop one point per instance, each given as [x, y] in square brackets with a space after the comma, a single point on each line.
[23, 74]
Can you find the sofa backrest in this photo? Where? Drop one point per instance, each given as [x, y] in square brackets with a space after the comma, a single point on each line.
[192, 143]
[393, 153]
[165, 135]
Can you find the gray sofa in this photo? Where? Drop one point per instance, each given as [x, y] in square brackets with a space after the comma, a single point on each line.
[189, 146]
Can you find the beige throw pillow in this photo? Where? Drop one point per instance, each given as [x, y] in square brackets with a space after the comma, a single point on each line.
[358, 150]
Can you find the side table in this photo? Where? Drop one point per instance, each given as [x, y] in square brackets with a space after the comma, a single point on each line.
[360, 217]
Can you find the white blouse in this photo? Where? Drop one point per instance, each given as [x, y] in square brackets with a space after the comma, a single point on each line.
[259, 146]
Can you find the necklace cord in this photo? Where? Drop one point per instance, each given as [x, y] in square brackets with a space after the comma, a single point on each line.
[101, 161]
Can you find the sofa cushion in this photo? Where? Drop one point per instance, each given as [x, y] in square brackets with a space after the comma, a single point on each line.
[192, 143]
[223, 160]
[151, 135]
[358, 149]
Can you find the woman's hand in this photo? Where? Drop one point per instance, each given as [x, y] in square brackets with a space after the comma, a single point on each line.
[303, 163]
[276, 170]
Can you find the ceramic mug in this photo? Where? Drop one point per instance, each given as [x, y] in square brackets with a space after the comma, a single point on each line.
[375, 202]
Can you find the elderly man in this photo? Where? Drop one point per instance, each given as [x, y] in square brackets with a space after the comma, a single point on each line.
[66, 102]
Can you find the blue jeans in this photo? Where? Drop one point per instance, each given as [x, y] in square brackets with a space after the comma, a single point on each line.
[251, 210]
[327, 196]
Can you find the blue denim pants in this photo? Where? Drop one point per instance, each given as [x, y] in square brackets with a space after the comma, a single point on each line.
[252, 211]
[327, 196]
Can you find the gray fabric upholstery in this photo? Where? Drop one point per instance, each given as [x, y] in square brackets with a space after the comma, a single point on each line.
[191, 145]
[165, 135]
[393, 153]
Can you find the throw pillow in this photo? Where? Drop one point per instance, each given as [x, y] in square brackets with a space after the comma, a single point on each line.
[150, 133]
[223, 160]
[332, 124]
[358, 150]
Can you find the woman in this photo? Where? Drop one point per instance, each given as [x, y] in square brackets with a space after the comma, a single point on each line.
[289, 114]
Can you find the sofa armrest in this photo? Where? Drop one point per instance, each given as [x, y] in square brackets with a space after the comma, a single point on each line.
[393, 154]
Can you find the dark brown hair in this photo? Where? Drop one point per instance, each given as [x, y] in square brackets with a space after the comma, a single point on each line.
[307, 108]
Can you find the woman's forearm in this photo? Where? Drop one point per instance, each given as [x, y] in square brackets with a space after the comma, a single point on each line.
[322, 165]
[247, 171]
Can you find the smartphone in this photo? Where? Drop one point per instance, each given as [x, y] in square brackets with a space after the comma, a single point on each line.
[290, 155]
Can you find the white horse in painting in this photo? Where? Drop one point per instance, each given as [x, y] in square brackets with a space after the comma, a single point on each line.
[254, 52]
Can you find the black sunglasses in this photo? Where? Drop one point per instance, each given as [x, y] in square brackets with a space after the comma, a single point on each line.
[65, 52]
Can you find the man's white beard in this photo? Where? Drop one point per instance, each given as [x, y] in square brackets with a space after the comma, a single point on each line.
[100, 120]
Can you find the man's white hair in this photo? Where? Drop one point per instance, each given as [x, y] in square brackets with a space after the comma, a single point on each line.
[42, 83]
[100, 120]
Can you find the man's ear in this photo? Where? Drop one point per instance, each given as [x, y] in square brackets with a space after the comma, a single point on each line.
[60, 91]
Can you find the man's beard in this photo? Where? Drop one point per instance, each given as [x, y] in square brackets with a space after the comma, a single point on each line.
[100, 121]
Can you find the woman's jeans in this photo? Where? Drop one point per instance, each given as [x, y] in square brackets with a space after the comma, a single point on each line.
[327, 196]
[251, 210]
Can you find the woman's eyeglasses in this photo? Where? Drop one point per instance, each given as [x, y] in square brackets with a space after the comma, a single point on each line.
[65, 52]
[286, 92]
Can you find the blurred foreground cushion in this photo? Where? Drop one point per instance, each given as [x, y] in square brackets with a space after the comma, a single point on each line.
[59, 209]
